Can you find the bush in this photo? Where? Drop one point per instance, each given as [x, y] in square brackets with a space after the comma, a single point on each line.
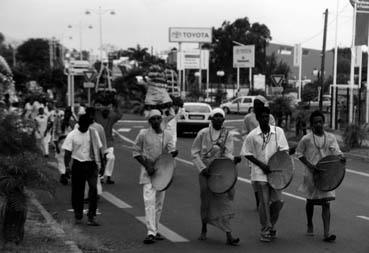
[354, 136]
[17, 135]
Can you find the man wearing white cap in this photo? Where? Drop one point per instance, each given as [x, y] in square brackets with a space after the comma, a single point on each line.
[211, 143]
[149, 145]
[250, 123]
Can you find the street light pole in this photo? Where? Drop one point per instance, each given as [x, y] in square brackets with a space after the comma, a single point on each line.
[100, 12]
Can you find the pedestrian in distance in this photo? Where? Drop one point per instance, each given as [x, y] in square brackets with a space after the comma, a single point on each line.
[42, 129]
[258, 147]
[312, 148]
[82, 146]
[150, 143]
[211, 143]
[250, 123]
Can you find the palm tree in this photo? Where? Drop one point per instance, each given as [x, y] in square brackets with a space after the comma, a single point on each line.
[139, 54]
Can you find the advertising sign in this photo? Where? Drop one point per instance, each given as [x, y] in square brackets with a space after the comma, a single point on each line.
[358, 56]
[190, 35]
[192, 59]
[244, 56]
[297, 52]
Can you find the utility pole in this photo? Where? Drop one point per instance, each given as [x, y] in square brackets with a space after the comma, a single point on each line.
[323, 60]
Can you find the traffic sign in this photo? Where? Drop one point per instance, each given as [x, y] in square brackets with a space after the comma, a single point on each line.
[244, 56]
[89, 75]
[277, 80]
[88, 85]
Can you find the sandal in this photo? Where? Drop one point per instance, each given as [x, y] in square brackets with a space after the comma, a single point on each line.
[330, 238]
[159, 237]
[149, 239]
[273, 234]
[233, 241]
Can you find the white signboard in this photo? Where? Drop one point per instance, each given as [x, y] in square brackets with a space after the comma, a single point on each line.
[358, 56]
[194, 35]
[259, 82]
[192, 59]
[297, 52]
[244, 56]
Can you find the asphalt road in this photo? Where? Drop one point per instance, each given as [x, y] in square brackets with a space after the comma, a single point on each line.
[122, 210]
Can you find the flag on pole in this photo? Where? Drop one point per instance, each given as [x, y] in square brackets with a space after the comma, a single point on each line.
[362, 21]
[362, 26]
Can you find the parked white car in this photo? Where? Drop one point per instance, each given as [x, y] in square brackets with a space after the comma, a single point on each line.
[239, 105]
[193, 118]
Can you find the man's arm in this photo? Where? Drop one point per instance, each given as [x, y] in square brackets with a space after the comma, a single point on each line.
[264, 167]
[149, 166]
[67, 159]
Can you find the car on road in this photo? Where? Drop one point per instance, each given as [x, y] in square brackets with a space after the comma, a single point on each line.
[238, 105]
[193, 118]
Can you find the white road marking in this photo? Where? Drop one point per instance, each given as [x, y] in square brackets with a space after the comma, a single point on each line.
[145, 121]
[166, 232]
[284, 193]
[123, 137]
[114, 200]
[85, 211]
[358, 173]
[363, 217]
[124, 130]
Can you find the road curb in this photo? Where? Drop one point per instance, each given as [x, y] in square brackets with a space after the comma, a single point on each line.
[54, 225]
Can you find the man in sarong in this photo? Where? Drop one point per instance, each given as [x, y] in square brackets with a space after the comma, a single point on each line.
[149, 145]
[210, 143]
[312, 148]
[259, 145]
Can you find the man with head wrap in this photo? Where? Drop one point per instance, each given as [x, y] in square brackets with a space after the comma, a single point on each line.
[150, 143]
[210, 143]
[258, 147]
[250, 123]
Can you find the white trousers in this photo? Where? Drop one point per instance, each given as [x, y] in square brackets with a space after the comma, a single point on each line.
[60, 161]
[110, 161]
[43, 143]
[154, 201]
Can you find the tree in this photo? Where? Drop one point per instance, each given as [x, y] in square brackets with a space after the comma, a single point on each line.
[139, 54]
[242, 31]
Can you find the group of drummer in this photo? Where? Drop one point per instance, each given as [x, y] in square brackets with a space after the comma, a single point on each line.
[262, 140]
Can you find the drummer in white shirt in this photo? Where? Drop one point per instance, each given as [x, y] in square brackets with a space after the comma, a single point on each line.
[259, 145]
[150, 143]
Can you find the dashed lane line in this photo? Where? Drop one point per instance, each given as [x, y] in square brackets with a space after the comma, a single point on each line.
[358, 173]
[145, 121]
[166, 232]
[114, 200]
[124, 130]
[363, 217]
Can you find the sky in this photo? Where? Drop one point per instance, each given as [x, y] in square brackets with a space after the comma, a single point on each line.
[146, 22]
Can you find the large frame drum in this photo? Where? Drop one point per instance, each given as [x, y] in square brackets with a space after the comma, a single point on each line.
[164, 170]
[281, 170]
[329, 174]
[223, 175]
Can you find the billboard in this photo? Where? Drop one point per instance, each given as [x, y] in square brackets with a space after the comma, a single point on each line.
[244, 56]
[192, 59]
[190, 35]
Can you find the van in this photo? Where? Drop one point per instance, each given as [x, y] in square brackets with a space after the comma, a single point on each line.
[241, 104]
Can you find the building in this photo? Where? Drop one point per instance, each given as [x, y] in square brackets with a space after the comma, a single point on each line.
[311, 61]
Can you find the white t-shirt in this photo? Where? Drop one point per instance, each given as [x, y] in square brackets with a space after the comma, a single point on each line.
[262, 148]
[80, 145]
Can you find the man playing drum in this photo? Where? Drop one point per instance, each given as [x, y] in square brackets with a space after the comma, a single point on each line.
[250, 123]
[311, 148]
[211, 143]
[259, 145]
[149, 145]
